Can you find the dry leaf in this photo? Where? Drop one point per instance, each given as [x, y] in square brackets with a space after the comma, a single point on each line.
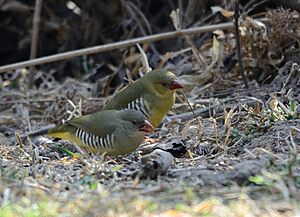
[225, 13]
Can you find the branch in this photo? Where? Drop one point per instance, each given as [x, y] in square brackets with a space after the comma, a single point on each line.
[35, 36]
[116, 45]
[238, 42]
[35, 29]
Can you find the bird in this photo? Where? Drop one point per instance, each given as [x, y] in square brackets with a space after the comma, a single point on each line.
[114, 132]
[153, 95]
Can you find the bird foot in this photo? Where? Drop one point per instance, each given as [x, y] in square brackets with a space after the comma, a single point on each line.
[150, 140]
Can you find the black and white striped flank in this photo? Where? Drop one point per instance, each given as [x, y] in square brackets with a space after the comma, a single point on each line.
[139, 105]
[97, 142]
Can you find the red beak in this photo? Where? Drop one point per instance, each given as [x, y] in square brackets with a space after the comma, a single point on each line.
[175, 85]
[146, 127]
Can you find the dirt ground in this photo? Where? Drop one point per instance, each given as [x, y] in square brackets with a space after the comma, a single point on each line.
[253, 172]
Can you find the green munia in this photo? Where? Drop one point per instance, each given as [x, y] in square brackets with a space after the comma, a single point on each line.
[153, 95]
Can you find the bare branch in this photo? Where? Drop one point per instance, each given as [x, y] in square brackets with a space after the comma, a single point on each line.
[116, 45]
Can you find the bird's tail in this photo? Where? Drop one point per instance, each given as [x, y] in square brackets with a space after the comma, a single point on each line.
[41, 131]
[62, 132]
[51, 130]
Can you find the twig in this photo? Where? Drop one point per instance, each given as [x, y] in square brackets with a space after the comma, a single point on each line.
[40, 131]
[35, 35]
[177, 25]
[35, 31]
[238, 42]
[118, 45]
[188, 115]
[135, 12]
[142, 16]
[144, 60]
[114, 46]
[27, 102]
[199, 120]
[270, 154]
[214, 122]
[204, 112]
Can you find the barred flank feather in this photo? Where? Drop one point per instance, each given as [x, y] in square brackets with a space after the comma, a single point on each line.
[105, 142]
[139, 104]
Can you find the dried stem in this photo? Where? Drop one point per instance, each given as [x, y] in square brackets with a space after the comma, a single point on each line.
[238, 43]
[116, 45]
[35, 36]
[36, 27]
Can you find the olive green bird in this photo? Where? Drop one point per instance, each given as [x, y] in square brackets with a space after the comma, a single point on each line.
[112, 131]
[153, 95]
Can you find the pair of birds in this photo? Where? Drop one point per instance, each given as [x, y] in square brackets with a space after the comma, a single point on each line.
[122, 124]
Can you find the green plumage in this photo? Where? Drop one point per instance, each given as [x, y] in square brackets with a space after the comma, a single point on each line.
[154, 88]
[120, 128]
[99, 124]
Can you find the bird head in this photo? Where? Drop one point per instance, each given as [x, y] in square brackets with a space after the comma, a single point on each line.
[164, 82]
[136, 121]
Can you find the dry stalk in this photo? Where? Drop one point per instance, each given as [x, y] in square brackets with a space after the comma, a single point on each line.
[214, 122]
[35, 36]
[114, 46]
[35, 32]
[76, 111]
[129, 77]
[118, 45]
[134, 12]
[144, 60]
[177, 25]
[238, 43]
[228, 123]
[199, 120]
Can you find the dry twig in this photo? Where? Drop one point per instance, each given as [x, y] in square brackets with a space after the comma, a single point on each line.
[35, 36]
[114, 46]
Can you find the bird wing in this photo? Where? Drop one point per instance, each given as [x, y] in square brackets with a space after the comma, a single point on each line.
[96, 132]
[97, 124]
[126, 95]
[132, 96]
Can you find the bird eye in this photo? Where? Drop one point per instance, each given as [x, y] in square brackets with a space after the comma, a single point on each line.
[134, 122]
[165, 84]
